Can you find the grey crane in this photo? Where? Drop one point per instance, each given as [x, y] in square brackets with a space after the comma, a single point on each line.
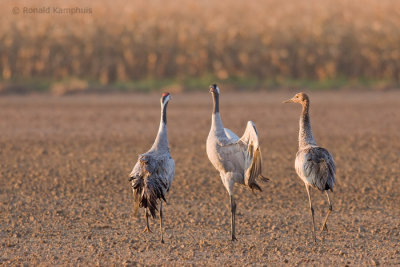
[313, 164]
[153, 173]
[237, 160]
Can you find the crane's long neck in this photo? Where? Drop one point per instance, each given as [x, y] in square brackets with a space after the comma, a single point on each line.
[161, 142]
[216, 122]
[305, 133]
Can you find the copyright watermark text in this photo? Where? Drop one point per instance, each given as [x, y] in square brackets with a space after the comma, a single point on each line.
[52, 10]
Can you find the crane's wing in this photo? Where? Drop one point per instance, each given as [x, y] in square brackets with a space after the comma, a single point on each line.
[233, 138]
[319, 168]
[242, 155]
[253, 160]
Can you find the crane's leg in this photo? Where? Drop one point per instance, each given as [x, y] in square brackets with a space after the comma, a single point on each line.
[312, 212]
[161, 223]
[233, 211]
[327, 215]
[228, 181]
[146, 215]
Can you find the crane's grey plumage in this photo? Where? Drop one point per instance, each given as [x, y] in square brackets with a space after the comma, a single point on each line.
[238, 160]
[154, 171]
[313, 164]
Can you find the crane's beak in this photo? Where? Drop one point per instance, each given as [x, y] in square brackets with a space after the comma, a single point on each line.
[288, 101]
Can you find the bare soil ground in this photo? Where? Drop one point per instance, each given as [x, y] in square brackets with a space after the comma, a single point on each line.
[65, 196]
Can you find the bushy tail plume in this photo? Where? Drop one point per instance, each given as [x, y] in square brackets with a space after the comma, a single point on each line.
[146, 192]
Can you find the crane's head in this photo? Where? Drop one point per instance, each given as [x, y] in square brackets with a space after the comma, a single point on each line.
[214, 89]
[165, 97]
[301, 98]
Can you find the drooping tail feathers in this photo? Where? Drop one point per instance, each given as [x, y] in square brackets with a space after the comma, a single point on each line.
[326, 183]
[146, 193]
[319, 168]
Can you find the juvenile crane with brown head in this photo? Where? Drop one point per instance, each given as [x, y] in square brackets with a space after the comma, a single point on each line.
[313, 164]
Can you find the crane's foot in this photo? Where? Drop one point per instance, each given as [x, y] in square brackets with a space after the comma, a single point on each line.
[234, 238]
[315, 240]
[147, 230]
[325, 227]
[162, 241]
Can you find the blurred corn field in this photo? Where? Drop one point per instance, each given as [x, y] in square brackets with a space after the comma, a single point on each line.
[156, 39]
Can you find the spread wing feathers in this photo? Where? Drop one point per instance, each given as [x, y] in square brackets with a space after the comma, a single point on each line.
[319, 168]
[151, 178]
[253, 160]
